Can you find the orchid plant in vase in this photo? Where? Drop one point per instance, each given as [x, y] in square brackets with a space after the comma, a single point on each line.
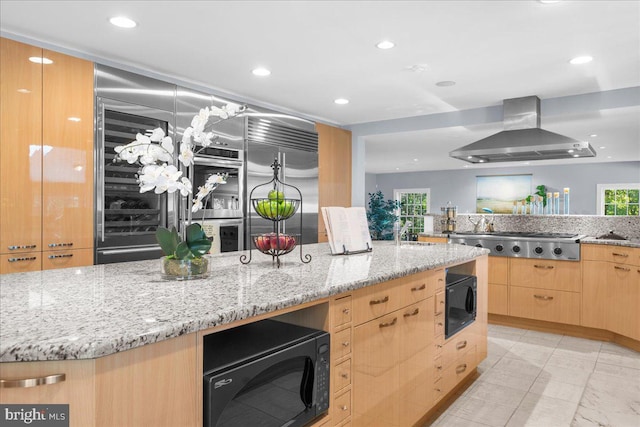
[155, 153]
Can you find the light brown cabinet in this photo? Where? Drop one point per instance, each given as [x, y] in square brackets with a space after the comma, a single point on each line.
[611, 293]
[334, 171]
[46, 159]
[498, 285]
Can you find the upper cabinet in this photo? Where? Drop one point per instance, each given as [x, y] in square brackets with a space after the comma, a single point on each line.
[46, 159]
[334, 170]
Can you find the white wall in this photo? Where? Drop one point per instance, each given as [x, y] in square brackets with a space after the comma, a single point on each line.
[459, 186]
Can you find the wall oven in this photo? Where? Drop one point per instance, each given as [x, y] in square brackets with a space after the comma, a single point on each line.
[267, 373]
[460, 302]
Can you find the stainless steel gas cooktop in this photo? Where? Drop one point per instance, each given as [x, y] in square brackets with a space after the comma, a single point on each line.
[560, 246]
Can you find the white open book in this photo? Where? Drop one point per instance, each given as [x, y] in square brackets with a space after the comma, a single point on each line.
[347, 229]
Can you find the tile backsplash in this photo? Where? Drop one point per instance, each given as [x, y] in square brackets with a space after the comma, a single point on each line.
[590, 225]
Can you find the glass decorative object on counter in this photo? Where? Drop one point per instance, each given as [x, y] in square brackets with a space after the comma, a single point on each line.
[549, 203]
[515, 207]
[566, 200]
[556, 203]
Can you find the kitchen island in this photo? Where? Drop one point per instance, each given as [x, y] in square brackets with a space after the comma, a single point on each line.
[124, 335]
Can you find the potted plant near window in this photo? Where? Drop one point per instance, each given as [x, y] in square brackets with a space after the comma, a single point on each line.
[154, 153]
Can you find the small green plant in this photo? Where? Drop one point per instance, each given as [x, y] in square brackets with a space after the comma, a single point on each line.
[542, 191]
[195, 245]
[381, 216]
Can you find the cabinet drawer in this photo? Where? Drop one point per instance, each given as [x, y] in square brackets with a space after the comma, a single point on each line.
[341, 375]
[439, 304]
[548, 305]
[416, 288]
[546, 274]
[438, 368]
[20, 262]
[375, 301]
[618, 254]
[65, 259]
[341, 343]
[457, 345]
[341, 311]
[438, 325]
[342, 405]
[455, 373]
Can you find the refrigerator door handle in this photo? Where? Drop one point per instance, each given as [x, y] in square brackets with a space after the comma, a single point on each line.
[99, 179]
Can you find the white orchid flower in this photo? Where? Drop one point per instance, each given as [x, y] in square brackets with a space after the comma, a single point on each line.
[142, 139]
[167, 144]
[157, 135]
[218, 112]
[186, 154]
[217, 179]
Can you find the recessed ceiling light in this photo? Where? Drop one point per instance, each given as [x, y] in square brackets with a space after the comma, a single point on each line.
[608, 157]
[581, 60]
[261, 72]
[480, 161]
[40, 60]
[415, 160]
[569, 151]
[385, 44]
[469, 157]
[446, 83]
[603, 147]
[123, 22]
[549, 1]
[397, 169]
[593, 135]
[24, 91]
[576, 155]
[74, 119]
[341, 101]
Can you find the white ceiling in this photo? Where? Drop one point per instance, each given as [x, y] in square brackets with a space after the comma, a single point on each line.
[321, 50]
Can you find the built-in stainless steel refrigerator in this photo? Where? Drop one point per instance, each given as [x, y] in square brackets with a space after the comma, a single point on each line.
[294, 143]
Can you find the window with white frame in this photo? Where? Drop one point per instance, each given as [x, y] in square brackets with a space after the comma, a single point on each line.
[414, 205]
[619, 199]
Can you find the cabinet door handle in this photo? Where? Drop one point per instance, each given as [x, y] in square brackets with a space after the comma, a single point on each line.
[547, 267]
[57, 245]
[60, 256]
[543, 297]
[461, 345]
[344, 407]
[14, 247]
[617, 267]
[344, 375]
[387, 324]
[440, 324]
[345, 343]
[379, 301]
[439, 367]
[25, 258]
[619, 254]
[419, 288]
[439, 345]
[413, 313]
[461, 368]
[33, 382]
[345, 311]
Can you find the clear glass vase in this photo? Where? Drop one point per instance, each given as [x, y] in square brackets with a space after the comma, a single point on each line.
[184, 269]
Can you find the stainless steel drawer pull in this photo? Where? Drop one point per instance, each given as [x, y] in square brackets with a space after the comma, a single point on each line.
[617, 267]
[14, 247]
[439, 367]
[547, 267]
[379, 301]
[543, 297]
[57, 245]
[439, 345]
[461, 345]
[345, 311]
[440, 324]
[619, 254]
[344, 407]
[345, 344]
[413, 313]
[344, 375]
[419, 288]
[33, 382]
[60, 256]
[387, 324]
[461, 368]
[26, 258]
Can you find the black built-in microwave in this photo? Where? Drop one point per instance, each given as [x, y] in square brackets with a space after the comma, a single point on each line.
[267, 373]
[460, 302]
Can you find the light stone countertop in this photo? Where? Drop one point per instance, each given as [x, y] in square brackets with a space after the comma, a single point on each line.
[89, 312]
[631, 243]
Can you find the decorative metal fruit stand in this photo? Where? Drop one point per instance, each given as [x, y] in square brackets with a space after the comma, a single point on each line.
[276, 208]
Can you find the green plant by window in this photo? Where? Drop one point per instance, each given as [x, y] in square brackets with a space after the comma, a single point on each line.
[381, 216]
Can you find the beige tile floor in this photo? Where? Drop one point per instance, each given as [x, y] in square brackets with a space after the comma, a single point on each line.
[545, 380]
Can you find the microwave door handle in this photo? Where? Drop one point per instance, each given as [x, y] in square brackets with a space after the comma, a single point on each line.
[469, 303]
[306, 385]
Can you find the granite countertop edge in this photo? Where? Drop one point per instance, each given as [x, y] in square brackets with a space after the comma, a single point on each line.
[95, 343]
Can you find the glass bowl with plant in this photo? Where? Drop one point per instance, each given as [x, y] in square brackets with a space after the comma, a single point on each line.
[160, 171]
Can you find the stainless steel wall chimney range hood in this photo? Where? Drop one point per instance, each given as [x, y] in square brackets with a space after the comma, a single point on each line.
[522, 138]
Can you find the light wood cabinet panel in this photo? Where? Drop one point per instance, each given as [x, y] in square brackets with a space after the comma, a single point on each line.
[341, 343]
[597, 293]
[20, 262]
[498, 299]
[343, 407]
[52, 260]
[341, 311]
[152, 385]
[427, 239]
[334, 170]
[611, 253]
[544, 304]
[498, 270]
[416, 349]
[67, 136]
[623, 317]
[77, 389]
[376, 301]
[20, 148]
[545, 274]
